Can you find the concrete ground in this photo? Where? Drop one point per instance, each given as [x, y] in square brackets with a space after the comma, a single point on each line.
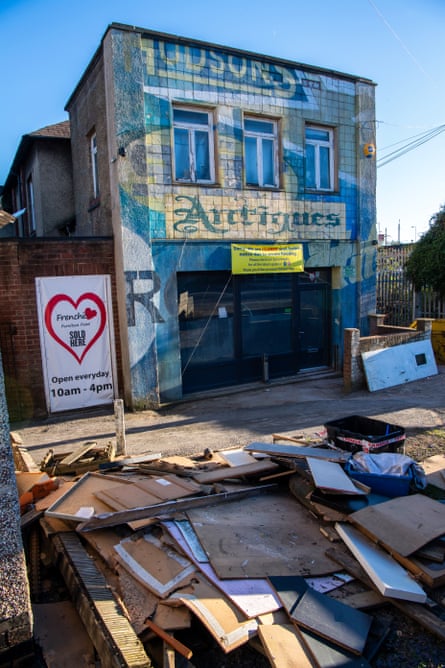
[234, 419]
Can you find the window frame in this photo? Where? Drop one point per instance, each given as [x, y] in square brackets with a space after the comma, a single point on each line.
[191, 129]
[318, 144]
[259, 136]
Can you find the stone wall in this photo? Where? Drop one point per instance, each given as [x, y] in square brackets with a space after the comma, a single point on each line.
[16, 622]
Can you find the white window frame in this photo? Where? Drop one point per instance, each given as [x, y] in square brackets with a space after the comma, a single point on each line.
[94, 164]
[318, 145]
[259, 135]
[191, 129]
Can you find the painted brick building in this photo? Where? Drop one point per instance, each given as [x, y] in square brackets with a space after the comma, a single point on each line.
[216, 170]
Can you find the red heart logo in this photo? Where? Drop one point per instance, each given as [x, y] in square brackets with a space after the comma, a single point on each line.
[89, 314]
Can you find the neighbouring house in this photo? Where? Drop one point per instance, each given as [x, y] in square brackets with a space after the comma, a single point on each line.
[239, 191]
[40, 181]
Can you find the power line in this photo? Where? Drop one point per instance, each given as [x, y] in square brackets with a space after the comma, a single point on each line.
[413, 143]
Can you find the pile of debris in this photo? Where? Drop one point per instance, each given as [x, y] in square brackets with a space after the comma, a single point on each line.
[281, 545]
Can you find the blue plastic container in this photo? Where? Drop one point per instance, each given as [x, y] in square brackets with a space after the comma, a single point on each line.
[384, 484]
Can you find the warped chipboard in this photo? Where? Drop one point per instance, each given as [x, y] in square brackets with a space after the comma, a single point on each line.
[397, 365]
[253, 596]
[388, 576]
[223, 620]
[158, 568]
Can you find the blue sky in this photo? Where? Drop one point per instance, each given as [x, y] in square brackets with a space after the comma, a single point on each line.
[47, 44]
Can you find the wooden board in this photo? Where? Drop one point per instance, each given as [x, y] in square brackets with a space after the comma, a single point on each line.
[389, 577]
[168, 487]
[167, 508]
[158, 568]
[397, 365]
[330, 476]
[322, 615]
[261, 535]
[236, 457]
[122, 497]
[283, 646]
[223, 620]
[251, 469]
[280, 450]
[404, 524]
[83, 494]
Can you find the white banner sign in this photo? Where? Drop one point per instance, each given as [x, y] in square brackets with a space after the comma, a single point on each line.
[76, 339]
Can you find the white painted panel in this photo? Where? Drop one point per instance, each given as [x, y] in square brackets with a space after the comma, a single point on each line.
[389, 577]
[399, 364]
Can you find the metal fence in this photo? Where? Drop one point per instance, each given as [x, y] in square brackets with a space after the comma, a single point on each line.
[396, 296]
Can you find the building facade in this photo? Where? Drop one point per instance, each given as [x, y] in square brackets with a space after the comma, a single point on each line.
[216, 171]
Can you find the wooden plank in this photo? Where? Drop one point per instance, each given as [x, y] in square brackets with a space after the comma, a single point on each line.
[77, 454]
[291, 439]
[283, 646]
[297, 451]
[169, 639]
[389, 577]
[252, 469]
[402, 525]
[331, 477]
[168, 508]
[400, 364]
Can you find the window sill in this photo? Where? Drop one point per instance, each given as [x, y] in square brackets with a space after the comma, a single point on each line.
[199, 184]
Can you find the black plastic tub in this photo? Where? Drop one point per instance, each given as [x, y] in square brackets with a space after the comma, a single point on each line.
[355, 433]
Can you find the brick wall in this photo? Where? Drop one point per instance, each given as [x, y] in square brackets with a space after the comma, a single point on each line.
[21, 261]
[382, 336]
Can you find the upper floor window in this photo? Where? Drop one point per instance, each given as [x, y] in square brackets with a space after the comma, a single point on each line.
[193, 145]
[94, 165]
[261, 152]
[319, 158]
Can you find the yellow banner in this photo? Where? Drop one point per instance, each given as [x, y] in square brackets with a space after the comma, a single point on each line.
[276, 259]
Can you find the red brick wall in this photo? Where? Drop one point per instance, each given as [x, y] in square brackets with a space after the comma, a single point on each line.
[21, 261]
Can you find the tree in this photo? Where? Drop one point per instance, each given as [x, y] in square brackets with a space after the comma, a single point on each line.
[425, 267]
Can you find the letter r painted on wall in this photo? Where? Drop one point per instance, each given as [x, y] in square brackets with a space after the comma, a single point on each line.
[141, 288]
